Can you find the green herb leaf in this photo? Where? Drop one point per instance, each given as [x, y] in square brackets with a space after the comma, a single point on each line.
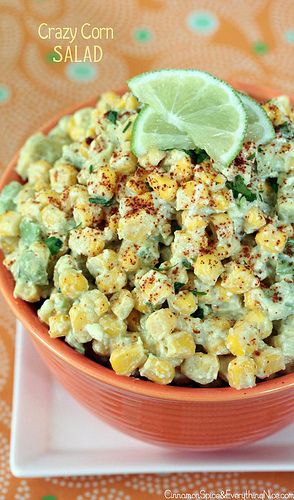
[75, 227]
[178, 286]
[199, 313]
[195, 292]
[197, 155]
[251, 157]
[91, 169]
[238, 186]
[100, 201]
[54, 244]
[127, 126]
[186, 264]
[112, 116]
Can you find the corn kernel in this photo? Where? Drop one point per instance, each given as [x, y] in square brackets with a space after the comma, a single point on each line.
[27, 291]
[155, 287]
[126, 359]
[159, 370]
[238, 278]
[123, 163]
[183, 302]
[59, 325]
[9, 224]
[163, 185]
[220, 200]
[86, 241]
[193, 222]
[72, 283]
[242, 372]
[160, 323]
[180, 345]
[269, 361]
[192, 193]
[102, 183]
[63, 175]
[122, 303]
[271, 239]
[202, 368]
[208, 268]
[243, 338]
[253, 220]
[112, 325]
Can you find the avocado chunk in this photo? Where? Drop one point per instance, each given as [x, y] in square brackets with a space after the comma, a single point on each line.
[8, 195]
[30, 231]
[32, 267]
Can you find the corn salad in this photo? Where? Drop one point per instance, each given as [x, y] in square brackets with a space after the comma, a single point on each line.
[167, 266]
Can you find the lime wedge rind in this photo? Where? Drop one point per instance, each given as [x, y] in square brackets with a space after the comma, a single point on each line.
[260, 128]
[206, 108]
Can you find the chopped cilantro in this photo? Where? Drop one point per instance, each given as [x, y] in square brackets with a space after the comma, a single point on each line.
[251, 157]
[197, 155]
[127, 126]
[178, 286]
[186, 264]
[195, 292]
[112, 116]
[100, 201]
[91, 169]
[198, 314]
[77, 226]
[54, 244]
[238, 186]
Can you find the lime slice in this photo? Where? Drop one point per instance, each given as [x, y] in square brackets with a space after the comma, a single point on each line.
[195, 102]
[152, 131]
[259, 128]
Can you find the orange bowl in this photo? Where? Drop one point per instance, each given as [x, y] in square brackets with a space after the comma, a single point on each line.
[191, 418]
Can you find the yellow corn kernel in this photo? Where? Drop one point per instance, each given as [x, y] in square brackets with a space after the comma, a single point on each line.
[9, 244]
[251, 300]
[38, 174]
[112, 325]
[275, 114]
[259, 318]
[123, 163]
[193, 222]
[242, 372]
[53, 219]
[9, 224]
[208, 268]
[111, 281]
[107, 101]
[182, 170]
[238, 278]
[180, 345]
[159, 370]
[253, 220]
[192, 193]
[63, 175]
[102, 183]
[87, 215]
[27, 291]
[243, 338]
[202, 368]
[220, 200]
[126, 359]
[136, 185]
[72, 283]
[271, 239]
[122, 303]
[155, 287]
[161, 323]
[128, 257]
[86, 241]
[205, 173]
[214, 334]
[269, 361]
[80, 318]
[140, 303]
[184, 302]
[128, 102]
[163, 185]
[59, 325]
[222, 227]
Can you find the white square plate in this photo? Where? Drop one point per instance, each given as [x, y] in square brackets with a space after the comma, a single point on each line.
[53, 435]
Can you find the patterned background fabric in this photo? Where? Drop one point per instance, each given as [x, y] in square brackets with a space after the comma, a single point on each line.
[250, 40]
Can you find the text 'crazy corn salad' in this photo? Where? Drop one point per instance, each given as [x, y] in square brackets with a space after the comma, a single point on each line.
[167, 266]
